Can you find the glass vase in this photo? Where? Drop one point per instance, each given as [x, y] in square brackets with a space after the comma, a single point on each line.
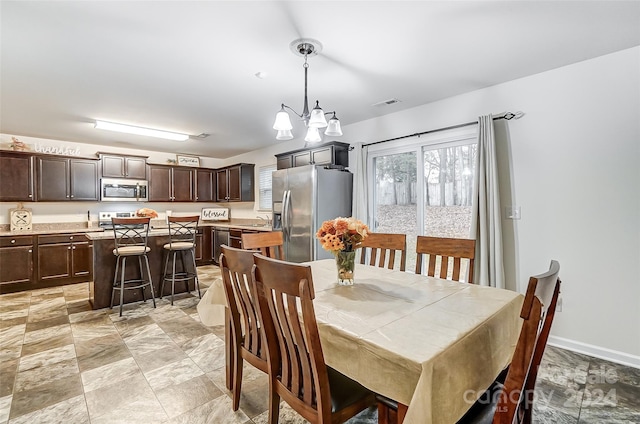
[345, 263]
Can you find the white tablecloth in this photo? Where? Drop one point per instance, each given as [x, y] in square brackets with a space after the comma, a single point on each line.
[428, 343]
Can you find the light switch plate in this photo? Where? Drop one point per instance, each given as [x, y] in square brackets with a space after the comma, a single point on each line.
[512, 212]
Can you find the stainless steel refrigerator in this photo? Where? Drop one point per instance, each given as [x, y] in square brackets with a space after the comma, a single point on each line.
[303, 198]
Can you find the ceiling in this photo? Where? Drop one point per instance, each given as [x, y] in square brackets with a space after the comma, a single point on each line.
[190, 66]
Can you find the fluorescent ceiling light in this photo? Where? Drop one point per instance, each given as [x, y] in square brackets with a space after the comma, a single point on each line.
[129, 129]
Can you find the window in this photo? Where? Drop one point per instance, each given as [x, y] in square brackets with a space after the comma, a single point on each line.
[424, 187]
[264, 183]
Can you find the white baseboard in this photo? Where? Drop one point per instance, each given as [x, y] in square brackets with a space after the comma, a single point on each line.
[595, 351]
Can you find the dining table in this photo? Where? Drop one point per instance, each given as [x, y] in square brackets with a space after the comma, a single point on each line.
[431, 345]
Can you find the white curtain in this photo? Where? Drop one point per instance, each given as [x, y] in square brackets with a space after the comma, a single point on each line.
[361, 184]
[486, 224]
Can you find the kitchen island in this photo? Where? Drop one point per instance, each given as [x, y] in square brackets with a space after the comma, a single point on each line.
[104, 265]
[104, 261]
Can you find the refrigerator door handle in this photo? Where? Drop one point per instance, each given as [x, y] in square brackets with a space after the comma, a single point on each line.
[285, 210]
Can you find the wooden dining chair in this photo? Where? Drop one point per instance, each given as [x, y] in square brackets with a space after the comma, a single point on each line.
[246, 338]
[269, 243]
[512, 401]
[382, 248]
[297, 371]
[440, 249]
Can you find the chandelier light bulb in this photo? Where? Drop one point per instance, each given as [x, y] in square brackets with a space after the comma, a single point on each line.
[284, 135]
[317, 119]
[283, 122]
[313, 135]
[333, 129]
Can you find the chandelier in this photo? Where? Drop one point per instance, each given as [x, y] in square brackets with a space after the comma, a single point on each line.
[314, 120]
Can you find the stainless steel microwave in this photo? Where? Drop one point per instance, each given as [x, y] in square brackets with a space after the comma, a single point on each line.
[114, 190]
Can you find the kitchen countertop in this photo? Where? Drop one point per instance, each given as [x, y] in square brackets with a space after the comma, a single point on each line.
[43, 231]
[257, 227]
[161, 229]
[96, 232]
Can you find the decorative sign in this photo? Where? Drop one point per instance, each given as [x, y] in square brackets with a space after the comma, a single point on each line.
[188, 160]
[214, 214]
[57, 150]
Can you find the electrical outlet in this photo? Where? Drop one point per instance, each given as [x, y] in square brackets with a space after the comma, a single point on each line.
[559, 304]
[512, 212]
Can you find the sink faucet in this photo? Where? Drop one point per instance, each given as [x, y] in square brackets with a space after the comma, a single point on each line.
[267, 221]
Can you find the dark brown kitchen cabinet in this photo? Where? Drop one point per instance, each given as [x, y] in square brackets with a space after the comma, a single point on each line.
[67, 258]
[60, 179]
[120, 166]
[16, 263]
[235, 238]
[235, 183]
[334, 154]
[228, 236]
[204, 246]
[198, 249]
[171, 184]
[16, 177]
[205, 185]
[220, 237]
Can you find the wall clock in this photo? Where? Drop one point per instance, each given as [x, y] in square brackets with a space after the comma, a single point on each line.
[20, 218]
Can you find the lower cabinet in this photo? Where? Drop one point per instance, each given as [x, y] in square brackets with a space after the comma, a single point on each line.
[204, 246]
[229, 236]
[16, 263]
[198, 250]
[66, 258]
[32, 262]
[221, 236]
[235, 238]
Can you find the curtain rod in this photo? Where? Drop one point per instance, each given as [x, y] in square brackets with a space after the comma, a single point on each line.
[507, 115]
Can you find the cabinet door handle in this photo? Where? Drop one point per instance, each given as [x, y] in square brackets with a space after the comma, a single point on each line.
[31, 195]
[69, 248]
[70, 237]
[30, 251]
[72, 196]
[13, 241]
[74, 248]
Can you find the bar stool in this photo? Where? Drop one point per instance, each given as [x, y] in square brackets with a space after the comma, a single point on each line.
[131, 241]
[182, 233]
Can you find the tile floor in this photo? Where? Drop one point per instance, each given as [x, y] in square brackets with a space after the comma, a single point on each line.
[62, 362]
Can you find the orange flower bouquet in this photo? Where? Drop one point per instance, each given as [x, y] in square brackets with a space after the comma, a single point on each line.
[342, 236]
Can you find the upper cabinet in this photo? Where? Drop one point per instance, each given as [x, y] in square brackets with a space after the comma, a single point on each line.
[235, 183]
[61, 178]
[171, 184]
[16, 177]
[205, 185]
[119, 166]
[334, 153]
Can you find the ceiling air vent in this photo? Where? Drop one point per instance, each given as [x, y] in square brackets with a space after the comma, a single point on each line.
[387, 102]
